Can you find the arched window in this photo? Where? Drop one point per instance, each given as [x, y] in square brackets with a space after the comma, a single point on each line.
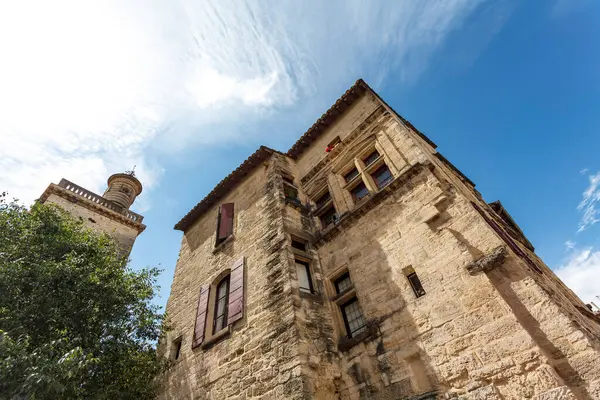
[221, 305]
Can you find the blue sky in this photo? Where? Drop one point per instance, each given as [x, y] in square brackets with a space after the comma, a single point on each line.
[186, 90]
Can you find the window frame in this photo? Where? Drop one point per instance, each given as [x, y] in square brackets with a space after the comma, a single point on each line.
[325, 212]
[355, 188]
[372, 161]
[387, 181]
[224, 281]
[306, 264]
[419, 292]
[349, 172]
[342, 278]
[343, 309]
[176, 346]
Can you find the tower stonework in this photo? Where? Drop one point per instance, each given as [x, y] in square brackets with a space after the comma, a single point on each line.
[362, 264]
[109, 213]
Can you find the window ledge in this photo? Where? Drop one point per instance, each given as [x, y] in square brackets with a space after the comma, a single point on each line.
[346, 343]
[224, 243]
[315, 296]
[216, 338]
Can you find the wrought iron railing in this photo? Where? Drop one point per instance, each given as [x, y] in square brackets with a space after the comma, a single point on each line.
[93, 197]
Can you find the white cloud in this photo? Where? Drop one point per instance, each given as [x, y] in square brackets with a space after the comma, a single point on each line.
[570, 245]
[88, 89]
[589, 203]
[581, 273]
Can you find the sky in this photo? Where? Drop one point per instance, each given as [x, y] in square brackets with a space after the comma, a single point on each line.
[186, 90]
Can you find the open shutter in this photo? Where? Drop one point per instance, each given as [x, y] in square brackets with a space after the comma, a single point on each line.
[225, 221]
[201, 316]
[236, 292]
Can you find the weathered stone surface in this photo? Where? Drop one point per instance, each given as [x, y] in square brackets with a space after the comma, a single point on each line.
[491, 321]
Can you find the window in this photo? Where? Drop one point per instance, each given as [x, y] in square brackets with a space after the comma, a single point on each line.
[382, 176]
[321, 201]
[221, 303]
[291, 193]
[351, 175]
[304, 279]
[360, 192]
[328, 217]
[343, 283]
[415, 283]
[297, 244]
[353, 318]
[224, 222]
[332, 144]
[176, 348]
[371, 158]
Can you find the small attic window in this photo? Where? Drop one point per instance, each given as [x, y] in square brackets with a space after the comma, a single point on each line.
[332, 144]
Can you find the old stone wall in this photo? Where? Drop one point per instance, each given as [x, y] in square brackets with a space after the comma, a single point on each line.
[260, 356]
[124, 235]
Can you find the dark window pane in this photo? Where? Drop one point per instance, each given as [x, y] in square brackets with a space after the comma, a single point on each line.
[304, 281]
[323, 199]
[298, 245]
[328, 217]
[382, 176]
[353, 318]
[221, 301]
[415, 283]
[370, 158]
[360, 191]
[343, 283]
[290, 192]
[351, 175]
[288, 180]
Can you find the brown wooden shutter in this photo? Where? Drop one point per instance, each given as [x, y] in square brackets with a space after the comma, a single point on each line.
[201, 316]
[225, 221]
[507, 239]
[236, 292]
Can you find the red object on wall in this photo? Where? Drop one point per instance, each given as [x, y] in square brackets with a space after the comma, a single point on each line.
[327, 149]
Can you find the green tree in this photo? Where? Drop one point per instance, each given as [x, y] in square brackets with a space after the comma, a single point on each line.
[75, 321]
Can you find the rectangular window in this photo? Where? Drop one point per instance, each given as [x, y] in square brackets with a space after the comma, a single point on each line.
[304, 280]
[382, 176]
[321, 201]
[415, 283]
[360, 192]
[328, 217]
[371, 158]
[353, 318]
[351, 175]
[343, 283]
[297, 244]
[224, 222]
[221, 305]
[291, 193]
[289, 180]
[176, 348]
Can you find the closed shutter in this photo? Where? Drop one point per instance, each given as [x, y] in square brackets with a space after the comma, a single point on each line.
[507, 239]
[236, 292]
[225, 228]
[201, 316]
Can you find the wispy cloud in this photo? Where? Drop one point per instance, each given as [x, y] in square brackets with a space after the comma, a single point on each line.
[570, 245]
[589, 204]
[580, 272]
[93, 88]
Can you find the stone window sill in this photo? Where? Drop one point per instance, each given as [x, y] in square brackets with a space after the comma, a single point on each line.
[346, 343]
[311, 296]
[216, 338]
[224, 243]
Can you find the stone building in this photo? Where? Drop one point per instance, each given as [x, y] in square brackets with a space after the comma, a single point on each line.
[362, 264]
[108, 213]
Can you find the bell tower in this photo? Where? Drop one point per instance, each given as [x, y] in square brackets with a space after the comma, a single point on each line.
[108, 213]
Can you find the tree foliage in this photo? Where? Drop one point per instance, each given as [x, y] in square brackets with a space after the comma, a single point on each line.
[75, 321]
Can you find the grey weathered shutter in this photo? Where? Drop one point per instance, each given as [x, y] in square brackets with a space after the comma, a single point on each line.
[236, 292]
[225, 221]
[201, 316]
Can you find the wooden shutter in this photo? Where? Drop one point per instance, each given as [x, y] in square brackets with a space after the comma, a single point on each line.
[225, 221]
[236, 292]
[201, 316]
